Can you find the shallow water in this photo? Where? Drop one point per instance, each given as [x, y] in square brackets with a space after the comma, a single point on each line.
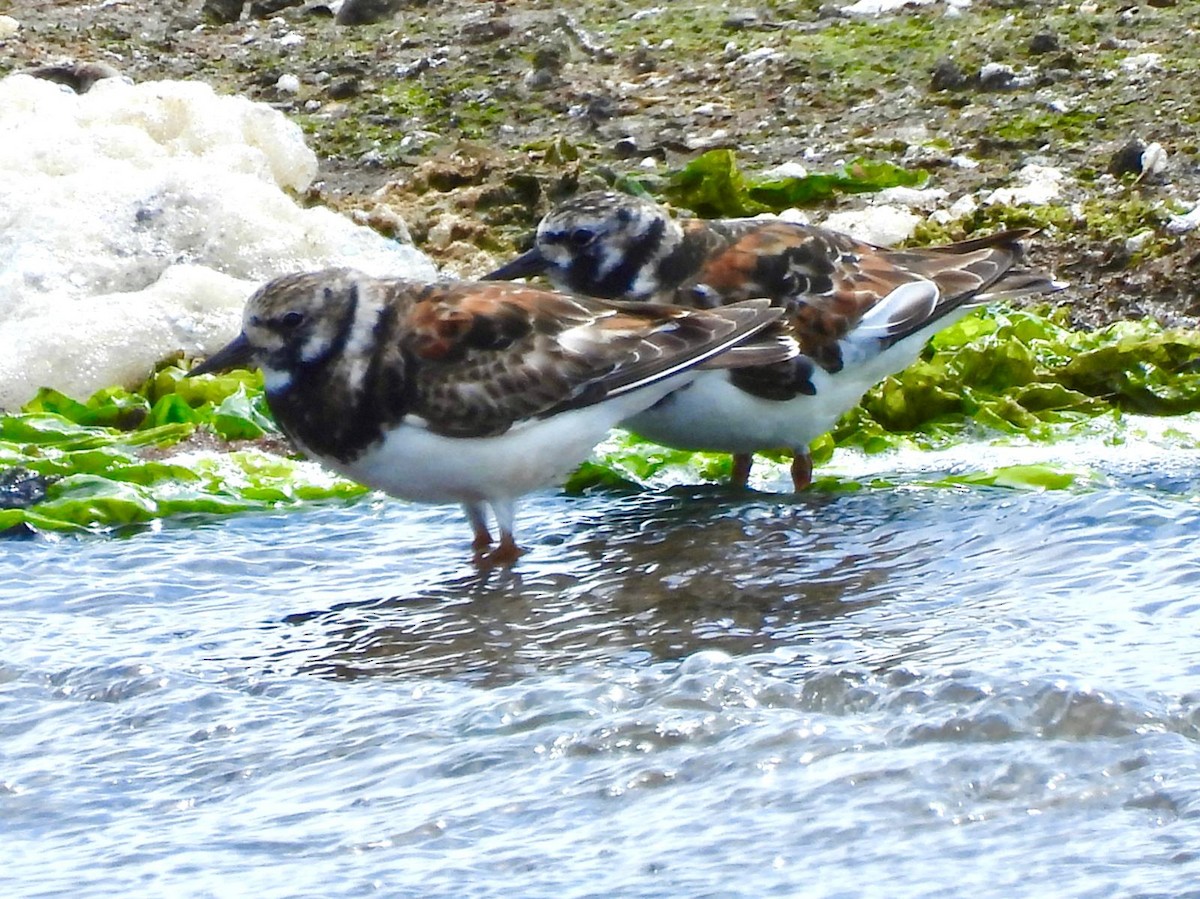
[897, 692]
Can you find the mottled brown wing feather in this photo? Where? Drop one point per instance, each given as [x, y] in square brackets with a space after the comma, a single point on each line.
[488, 355]
[828, 281]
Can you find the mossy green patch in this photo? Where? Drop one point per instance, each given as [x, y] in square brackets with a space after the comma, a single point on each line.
[120, 457]
[713, 186]
[116, 458]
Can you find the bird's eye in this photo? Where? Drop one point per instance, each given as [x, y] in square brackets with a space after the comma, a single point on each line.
[581, 237]
[292, 319]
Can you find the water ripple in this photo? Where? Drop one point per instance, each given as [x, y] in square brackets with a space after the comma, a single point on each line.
[687, 693]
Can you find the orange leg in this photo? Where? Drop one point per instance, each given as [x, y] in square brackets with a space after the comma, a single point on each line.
[507, 551]
[478, 522]
[741, 469]
[505, 554]
[802, 471]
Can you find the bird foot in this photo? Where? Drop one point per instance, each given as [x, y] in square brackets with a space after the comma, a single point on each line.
[802, 472]
[504, 555]
[740, 476]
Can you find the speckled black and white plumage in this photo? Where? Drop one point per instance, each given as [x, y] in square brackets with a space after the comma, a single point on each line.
[467, 392]
[856, 312]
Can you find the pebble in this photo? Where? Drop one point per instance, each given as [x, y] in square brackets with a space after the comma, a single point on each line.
[1142, 62]
[1036, 185]
[21, 488]
[1154, 159]
[222, 12]
[8, 27]
[1139, 158]
[79, 77]
[786, 170]
[1189, 221]
[288, 84]
[947, 76]
[960, 208]
[264, 9]
[1043, 42]
[344, 88]
[996, 76]
[880, 225]
[486, 31]
[366, 12]
[1139, 240]
[625, 147]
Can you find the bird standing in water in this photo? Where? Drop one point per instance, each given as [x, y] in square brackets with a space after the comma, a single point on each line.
[857, 312]
[467, 392]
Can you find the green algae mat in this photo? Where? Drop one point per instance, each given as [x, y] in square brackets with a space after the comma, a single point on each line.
[179, 446]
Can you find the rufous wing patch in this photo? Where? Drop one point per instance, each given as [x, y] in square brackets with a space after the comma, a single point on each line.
[438, 331]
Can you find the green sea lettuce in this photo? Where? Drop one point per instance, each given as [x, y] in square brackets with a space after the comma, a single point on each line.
[125, 457]
[713, 186]
[208, 445]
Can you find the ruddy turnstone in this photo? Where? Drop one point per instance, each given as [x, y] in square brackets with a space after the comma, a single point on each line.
[858, 312]
[468, 392]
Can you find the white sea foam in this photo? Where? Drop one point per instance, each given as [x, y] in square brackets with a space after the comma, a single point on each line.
[135, 219]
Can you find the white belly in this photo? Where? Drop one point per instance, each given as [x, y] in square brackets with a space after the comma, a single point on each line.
[415, 464]
[712, 415]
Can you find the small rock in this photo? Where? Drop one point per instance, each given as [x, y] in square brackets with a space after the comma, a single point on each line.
[541, 79]
[483, 32]
[344, 88]
[643, 61]
[601, 108]
[8, 27]
[22, 530]
[1189, 221]
[1154, 160]
[79, 76]
[1036, 185]
[21, 488]
[786, 170]
[1128, 159]
[741, 19]
[288, 84]
[264, 9]
[549, 57]
[366, 12]
[1043, 42]
[947, 76]
[222, 12]
[1138, 241]
[625, 147]
[881, 225]
[996, 76]
[1142, 62]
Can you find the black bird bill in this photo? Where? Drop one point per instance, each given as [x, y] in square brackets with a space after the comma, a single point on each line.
[527, 265]
[236, 354]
